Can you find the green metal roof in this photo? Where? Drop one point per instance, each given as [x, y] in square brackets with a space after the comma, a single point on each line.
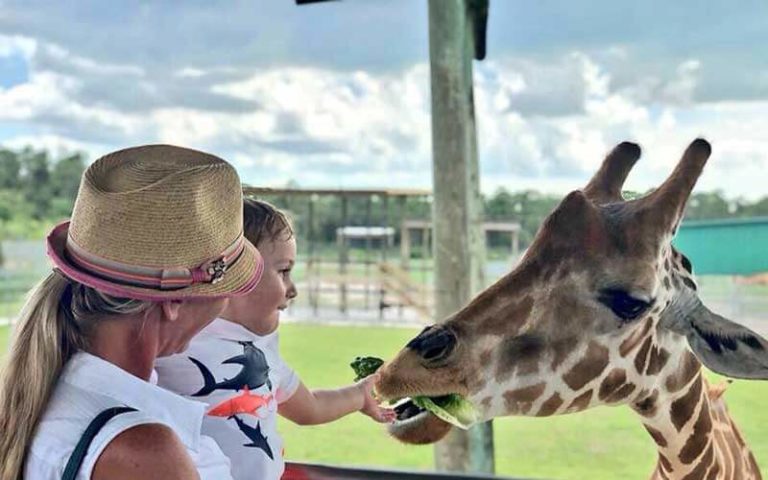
[733, 246]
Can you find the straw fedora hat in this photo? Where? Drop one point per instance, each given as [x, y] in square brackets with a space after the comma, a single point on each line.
[158, 222]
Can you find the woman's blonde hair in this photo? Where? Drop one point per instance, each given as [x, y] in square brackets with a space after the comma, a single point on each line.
[53, 324]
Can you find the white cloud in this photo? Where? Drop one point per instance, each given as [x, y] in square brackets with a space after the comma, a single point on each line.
[17, 45]
[87, 66]
[543, 123]
[366, 117]
[46, 98]
[190, 72]
[42, 92]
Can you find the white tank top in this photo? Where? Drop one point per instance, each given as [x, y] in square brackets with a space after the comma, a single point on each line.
[89, 385]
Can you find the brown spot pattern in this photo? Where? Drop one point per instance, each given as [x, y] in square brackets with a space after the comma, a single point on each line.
[581, 402]
[700, 471]
[588, 368]
[642, 355]
[752, 463]
[612, 382]
[689, 367]
[699, 436]
[647, 406]
[682, 409]
[713, 472]
[529, 366]
[665, 463]
[727, 447]
[550, 406]
[621, 393]
[735, 455]
[561, 350]
[508, 320]
[518, 356]
[634, 339]
[737, 434]
[657, 360]
[658, 437]
[521, 400]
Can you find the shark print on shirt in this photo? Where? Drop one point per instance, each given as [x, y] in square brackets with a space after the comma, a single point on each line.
[241, 379]
[257, 439]
[254, 374]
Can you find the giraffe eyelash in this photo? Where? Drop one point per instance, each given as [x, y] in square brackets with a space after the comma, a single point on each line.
[623, 305]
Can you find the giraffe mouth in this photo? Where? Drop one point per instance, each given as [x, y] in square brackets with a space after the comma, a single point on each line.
[416, 425]
[407, 410]
[425, 419]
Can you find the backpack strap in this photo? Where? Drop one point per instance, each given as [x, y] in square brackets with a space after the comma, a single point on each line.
[81, 449]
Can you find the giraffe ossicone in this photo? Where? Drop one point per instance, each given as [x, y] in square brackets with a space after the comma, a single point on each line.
[601, 310]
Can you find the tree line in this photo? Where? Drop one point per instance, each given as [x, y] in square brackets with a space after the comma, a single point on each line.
[38, 190]
[526, 207]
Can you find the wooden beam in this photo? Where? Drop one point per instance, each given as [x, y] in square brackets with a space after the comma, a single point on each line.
[384, 192]
[458, 234]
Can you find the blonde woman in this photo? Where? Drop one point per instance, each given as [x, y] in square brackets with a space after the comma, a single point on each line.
[152, 253]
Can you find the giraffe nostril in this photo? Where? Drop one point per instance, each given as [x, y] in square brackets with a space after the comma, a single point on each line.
[434, 345]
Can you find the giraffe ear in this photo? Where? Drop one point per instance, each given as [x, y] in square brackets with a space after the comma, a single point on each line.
[575, 218]
[723, 346]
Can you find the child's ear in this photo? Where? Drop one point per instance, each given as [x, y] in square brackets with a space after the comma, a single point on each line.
[171, 309]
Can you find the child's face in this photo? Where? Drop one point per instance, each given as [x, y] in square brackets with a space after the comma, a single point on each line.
[259, 311]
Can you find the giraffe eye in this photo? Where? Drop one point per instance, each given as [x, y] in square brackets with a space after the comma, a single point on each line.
[624, 305]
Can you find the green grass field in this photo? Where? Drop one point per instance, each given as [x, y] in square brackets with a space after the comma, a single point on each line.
[604, 443]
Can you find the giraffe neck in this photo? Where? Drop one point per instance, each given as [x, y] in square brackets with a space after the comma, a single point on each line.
[695, 436]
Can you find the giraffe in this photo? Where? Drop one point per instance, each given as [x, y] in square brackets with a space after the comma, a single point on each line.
[601, 310]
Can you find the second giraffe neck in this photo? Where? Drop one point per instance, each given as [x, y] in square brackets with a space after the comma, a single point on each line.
[695, 436]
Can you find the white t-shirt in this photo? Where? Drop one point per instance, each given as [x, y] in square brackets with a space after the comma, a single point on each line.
[87, 386]
[242, 379]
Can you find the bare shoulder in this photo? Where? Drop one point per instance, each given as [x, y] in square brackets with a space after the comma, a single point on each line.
[150, 451]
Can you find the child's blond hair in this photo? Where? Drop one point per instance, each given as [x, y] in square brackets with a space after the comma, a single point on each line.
[263, 221]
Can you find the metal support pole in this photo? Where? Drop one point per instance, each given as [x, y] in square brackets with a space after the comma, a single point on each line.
[515, 245]
[385, 222]
[312, 281]
[457, 216]
[369, 200]
[343, 256]
[405, 247]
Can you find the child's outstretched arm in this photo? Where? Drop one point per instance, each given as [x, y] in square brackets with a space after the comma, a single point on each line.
[314, 407]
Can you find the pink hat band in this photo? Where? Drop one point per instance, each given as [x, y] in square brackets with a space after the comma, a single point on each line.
[157, 223]
[169, 278]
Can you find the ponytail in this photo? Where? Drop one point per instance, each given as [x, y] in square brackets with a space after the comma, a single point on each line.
[53, 325]
[44, 340]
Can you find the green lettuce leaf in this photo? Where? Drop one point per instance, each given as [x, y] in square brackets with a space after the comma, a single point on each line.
[364, 366]
[449, 408]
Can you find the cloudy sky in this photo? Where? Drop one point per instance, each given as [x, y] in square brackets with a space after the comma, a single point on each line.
[337, 95]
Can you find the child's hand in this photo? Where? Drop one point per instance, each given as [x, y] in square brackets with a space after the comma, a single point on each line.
[370, 405]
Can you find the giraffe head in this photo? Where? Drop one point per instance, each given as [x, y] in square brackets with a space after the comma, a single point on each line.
[600, 310]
